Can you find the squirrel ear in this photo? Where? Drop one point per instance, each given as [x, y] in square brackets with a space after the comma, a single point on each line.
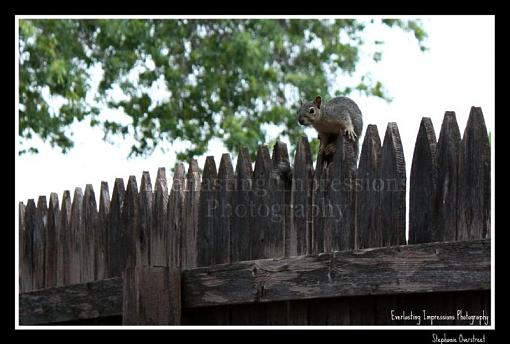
[317, 101]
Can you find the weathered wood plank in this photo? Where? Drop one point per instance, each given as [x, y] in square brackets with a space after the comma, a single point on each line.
[175, 217]
[209, 240]
[129, 225]
[64, 237]
[336, 216]
[21, 249]
[302, 188]
[214, 217]
[433, 192]
[368, 232]
[51, 239]
[208, 204]
[260, 226]
[393, 174]
[114, 229]
[80, 301]
[158, 235]
[39, 244]
[240, 229]
[88, 234]
[142, 233]
[278, 239]
[368, 196]
[393, 208]
[342, 195]
[25, 258]
[474, 198]
[474, 180]
[75, 234]
[432, 267]
[421, 268]
[151, 296]
[223, 212]
[318, 196]
[261, 242]
[446, 202]
[260, 204]
[191, 206]
[423, 186]
[101, 244]
[222, 225]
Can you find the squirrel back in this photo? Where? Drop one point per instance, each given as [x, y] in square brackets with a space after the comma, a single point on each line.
[343, 107]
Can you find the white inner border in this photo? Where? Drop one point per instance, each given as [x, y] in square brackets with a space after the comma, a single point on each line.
[346, 327]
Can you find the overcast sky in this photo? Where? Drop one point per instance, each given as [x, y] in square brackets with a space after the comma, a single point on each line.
[457, 72]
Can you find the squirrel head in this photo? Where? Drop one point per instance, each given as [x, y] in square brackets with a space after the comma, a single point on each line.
[309, 112]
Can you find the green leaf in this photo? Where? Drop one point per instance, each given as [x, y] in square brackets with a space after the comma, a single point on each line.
[226, 78]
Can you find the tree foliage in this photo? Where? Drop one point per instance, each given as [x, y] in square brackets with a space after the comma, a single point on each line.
[222, 78]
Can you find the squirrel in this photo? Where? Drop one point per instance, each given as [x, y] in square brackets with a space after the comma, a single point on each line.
[338, 115]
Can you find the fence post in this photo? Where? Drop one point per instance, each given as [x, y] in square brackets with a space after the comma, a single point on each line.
[151, 296]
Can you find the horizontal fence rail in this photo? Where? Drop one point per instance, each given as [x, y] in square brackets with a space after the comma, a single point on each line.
[267, 242]
[421, 268]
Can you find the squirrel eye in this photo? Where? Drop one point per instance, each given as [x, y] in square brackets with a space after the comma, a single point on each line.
[312, 110]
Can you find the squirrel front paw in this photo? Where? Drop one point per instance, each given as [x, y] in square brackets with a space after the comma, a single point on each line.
[351, 134]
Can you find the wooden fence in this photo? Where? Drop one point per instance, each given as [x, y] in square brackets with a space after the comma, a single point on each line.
[273, 244]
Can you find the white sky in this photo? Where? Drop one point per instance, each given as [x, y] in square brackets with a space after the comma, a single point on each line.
[456, 73]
